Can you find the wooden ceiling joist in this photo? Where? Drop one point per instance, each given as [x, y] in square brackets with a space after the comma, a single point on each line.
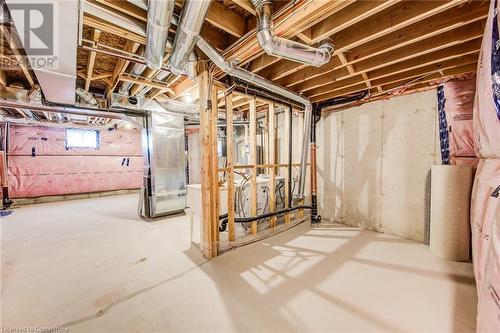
[442, 22]
[226, 19]
[14, 47]
[409, 61]
[462, 69]
[391, 35]
[121, 67]
[346, 17]
[377, 79]
[96, 34]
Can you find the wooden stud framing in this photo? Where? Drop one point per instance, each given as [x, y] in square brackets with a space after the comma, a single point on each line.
[209, 222]
[214, 178]
[253, 162]
[14, 46]
[287, 186]
[96, 34]
[230, 167]
[272, 160]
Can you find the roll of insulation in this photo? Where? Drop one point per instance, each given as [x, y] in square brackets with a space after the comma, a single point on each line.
[451, 187]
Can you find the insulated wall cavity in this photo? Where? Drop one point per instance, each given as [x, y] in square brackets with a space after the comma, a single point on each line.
[40, 164]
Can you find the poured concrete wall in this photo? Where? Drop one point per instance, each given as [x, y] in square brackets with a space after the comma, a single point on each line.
[374, 161]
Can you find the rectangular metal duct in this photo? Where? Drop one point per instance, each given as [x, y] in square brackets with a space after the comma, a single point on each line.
[52, 26]
[164, 189]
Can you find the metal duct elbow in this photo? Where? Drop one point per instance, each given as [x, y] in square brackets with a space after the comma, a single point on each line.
[285, 48]
[159, 18]
[192, 18]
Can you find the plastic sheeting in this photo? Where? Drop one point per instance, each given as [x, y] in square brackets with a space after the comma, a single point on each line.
[486, 121]
[41, 165]
[485, 203]
[459, 96]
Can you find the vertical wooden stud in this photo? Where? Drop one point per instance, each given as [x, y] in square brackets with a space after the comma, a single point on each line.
[208, 249]
[272, 161]
[287, 186]
[230, 167]
[253, 162]
[215, 167]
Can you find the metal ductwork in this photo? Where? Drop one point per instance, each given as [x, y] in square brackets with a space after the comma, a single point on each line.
[159, 18]
[254, 79]
[86, 97]
[137, 70]
[285, 48]
[56, 70]
[192, 18]
[119, 101]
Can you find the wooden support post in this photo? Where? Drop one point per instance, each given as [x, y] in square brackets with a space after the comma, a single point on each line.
[288, 116]
[271, 125]
[214, 179]
[208, 244]
[253, 162]
[300, 212]
[230, 166]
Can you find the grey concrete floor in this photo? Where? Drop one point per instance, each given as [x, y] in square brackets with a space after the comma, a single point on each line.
[92, 266]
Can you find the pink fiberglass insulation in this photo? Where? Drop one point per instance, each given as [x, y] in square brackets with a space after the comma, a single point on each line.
[485, 201]
[54, 170]
[459, 107]
[486, 121]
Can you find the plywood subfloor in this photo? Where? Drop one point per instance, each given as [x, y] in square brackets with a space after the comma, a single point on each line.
[91, 266]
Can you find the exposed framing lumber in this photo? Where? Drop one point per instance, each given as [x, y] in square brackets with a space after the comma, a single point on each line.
[397, 76]
[121, 67]
[209, 244]
[312, 78]
[288, 120]
[346, 17]
[214, 175]
[225, 19]
[3, 78]
[14, 47]
[144, 82]
[246, 5]
[324, 84]
[272, 160]
[96, 34]
[386, 38]
[253, 162]
[404, 82]
[230, 167]
[126, 7]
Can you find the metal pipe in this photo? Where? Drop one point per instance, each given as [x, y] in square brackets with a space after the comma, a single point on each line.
[159, 18]
[63, 109]
[192, 18]
[249, 77]
[315, 218]
[285, 48]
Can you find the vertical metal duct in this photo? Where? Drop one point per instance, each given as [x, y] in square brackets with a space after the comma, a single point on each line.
[192, 18]
[247, 76]
[285, 48]
[159, 18]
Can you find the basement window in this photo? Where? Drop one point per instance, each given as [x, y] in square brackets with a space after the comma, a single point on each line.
[80, 138]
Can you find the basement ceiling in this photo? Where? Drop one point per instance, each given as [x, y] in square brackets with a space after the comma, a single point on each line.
[380, 46]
